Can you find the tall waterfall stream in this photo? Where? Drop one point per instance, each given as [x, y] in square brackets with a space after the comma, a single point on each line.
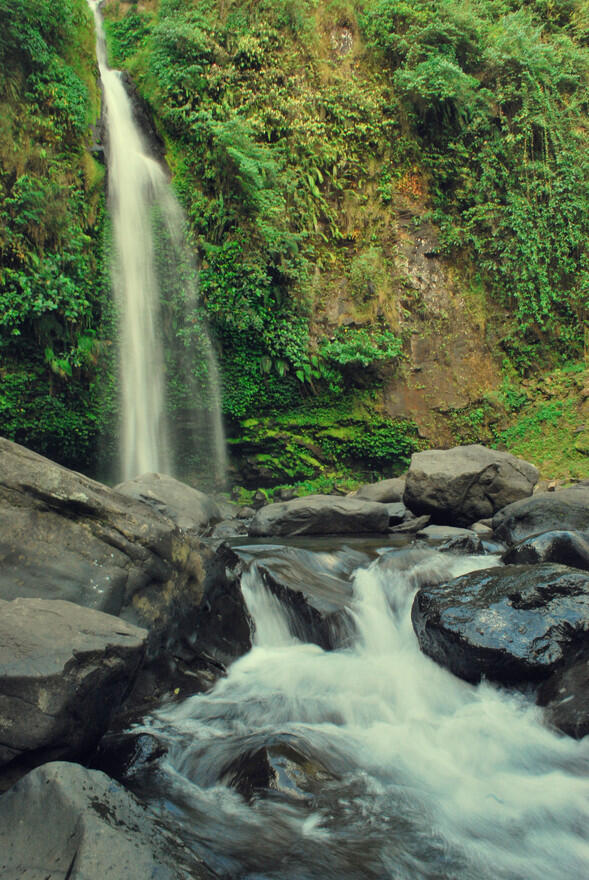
[400, 769]
[152, 263]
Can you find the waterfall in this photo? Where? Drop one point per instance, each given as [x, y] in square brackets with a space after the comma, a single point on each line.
[156, 287]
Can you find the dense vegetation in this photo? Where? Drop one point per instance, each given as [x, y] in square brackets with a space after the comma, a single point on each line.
[294, 130]
[51, 220]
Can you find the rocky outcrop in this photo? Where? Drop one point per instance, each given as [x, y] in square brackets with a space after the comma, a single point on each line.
[510, 624]
[65, 536]
[461, 485]
[191, 510]
[566, 509]
[568, 548]
[320, 515]
[62, 821]
[64, 670]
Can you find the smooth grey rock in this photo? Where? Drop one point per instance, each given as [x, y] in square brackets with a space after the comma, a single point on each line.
[566, 698]
[566, 547]
[64, 822]
[189, 508]
[65, 536]
[320, 515]
[411, 525]
[483, 527]
[567, 509]
[512, 624]
[398, 513]
[467, 483]
[64, 670]
[384, 491]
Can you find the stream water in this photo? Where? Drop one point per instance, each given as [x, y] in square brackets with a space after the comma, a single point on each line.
[166, 358]
[386, 765]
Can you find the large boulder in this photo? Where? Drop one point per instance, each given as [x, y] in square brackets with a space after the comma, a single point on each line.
[189, 508]
[566, 547]
[64, 670]
[320, 515]
[65, 536]
[544, 512]
[64, 822]
[462, 485]
[511, 624]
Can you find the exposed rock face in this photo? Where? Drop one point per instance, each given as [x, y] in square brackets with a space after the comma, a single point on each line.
[64, 536]
[190, 509]
[568, 548]
[467, 483]
[96, 830]
[384, 491]
[544, 512]
[566, 697]
[64, 670]
[512, 624]
[320, 515]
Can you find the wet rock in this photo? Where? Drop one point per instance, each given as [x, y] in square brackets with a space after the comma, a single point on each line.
[279, 767]
[566, 547]
[566, 698]
[510, 624]
[64, 670]
[470, 544]
[384, 491]
[190, 509]
[467, 483]
[123, 756]
[229, 528]
[398, 513]
[444, 533]
[567, 509]
[96, 830]
[320, 515]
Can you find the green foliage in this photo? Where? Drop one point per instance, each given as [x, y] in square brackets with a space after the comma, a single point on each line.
[498, 96]
[362, 348]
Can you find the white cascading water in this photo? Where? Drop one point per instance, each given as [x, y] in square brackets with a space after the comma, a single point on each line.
[422, 776]
[139, 197]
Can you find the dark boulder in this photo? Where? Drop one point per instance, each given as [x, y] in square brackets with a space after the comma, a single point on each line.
[467, 483]
[64, 670]
[567, 509]
[190, 509]
[510, 624]
[566, 698]
[568, 548]
[321, 515]
[62, 821]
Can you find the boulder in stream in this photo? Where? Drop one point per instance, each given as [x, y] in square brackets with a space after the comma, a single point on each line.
[565, 696]
[511, 624]
[321, 515]
[386, 491]
[461, 485]
[190, 509]
[62, 821]
[64, 670]
[567, 547]
[567, 509]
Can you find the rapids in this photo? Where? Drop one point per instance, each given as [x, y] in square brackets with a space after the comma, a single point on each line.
[400, 770]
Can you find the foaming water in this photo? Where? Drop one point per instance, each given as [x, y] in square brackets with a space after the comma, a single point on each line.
[404, 770]
[151, 266]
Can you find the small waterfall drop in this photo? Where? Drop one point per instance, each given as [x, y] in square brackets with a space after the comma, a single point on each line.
[156, 290]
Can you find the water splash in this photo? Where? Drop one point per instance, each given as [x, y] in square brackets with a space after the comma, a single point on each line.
[424, 776]
[162, 331]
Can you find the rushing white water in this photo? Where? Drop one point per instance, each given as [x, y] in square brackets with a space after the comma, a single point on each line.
[407, 772]
[152, 261]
